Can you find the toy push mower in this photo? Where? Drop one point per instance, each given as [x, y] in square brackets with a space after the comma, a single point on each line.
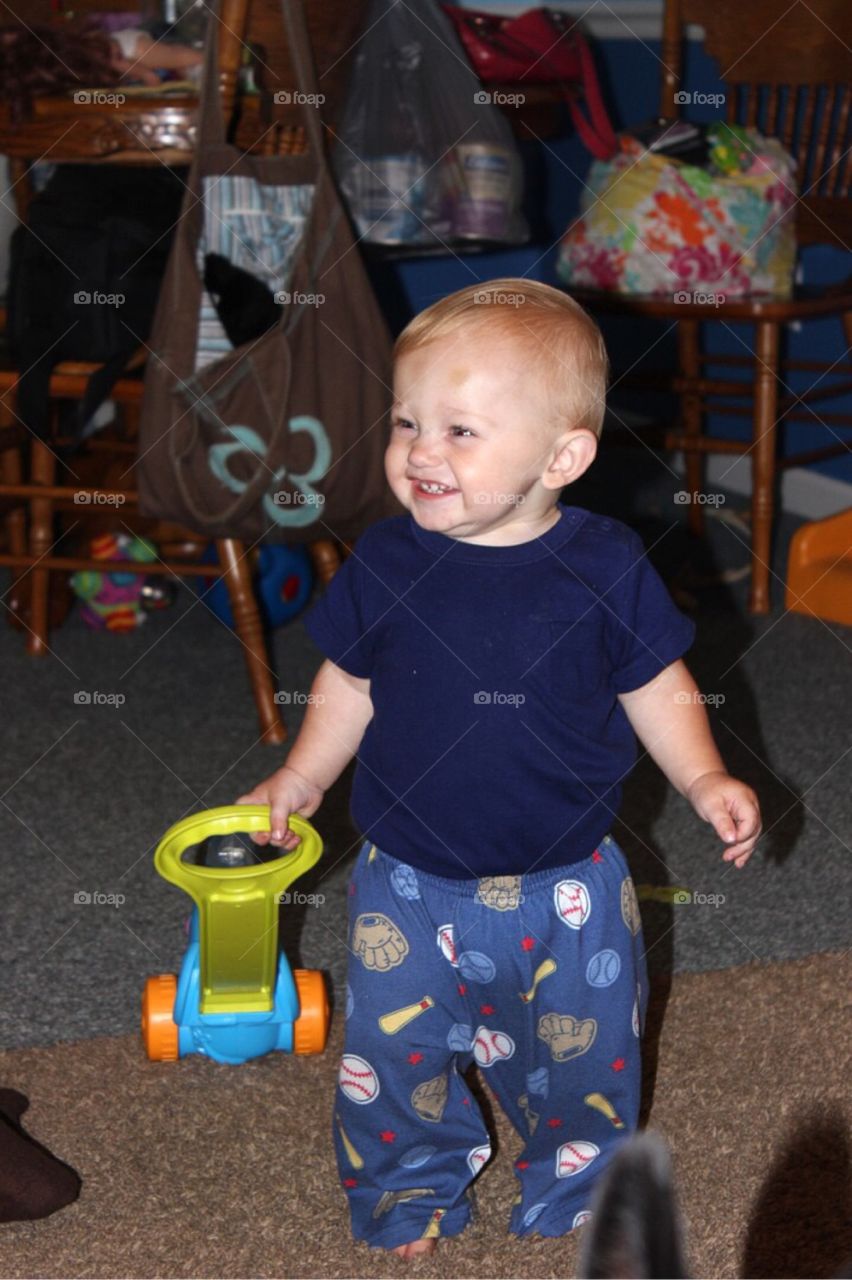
[236, 997]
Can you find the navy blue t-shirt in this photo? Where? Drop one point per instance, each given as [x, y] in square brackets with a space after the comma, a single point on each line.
[497, 744]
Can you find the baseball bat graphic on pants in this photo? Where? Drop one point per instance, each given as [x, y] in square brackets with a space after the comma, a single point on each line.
[355, 1160]
[433, 1227]
[602, 1104]
[394, 1021]
[544, 970]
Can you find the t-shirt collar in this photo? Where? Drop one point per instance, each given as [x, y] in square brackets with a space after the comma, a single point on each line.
[457, 552]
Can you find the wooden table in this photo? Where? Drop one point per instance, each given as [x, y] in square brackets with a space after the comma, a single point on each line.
[142, 130]
[159, 128]
[139, 130]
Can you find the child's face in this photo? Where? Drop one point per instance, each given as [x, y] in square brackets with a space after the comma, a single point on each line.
[472, 435]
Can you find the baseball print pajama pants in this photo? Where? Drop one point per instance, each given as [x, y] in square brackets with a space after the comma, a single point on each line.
[538, 979]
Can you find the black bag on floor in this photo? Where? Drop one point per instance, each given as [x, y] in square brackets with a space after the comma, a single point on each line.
[84, 276]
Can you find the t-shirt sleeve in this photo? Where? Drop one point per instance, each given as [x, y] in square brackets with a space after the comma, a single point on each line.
[336, 623]
[650, 632]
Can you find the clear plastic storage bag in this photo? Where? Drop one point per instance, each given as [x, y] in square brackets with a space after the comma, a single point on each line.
[423, 155]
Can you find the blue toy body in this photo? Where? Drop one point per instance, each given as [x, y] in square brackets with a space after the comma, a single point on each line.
[231, 1037]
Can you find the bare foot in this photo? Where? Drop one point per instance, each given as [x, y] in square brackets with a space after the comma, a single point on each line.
[417, 1248]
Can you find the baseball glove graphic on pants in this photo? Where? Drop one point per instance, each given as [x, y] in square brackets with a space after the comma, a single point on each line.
[378, 942]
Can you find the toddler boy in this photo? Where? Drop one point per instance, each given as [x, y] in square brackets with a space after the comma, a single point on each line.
[490, 657]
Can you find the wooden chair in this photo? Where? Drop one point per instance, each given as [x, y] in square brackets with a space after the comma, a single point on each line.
[33, 550]
[32, 504]
[786, 71]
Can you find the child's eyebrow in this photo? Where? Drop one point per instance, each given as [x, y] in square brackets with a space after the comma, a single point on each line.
[468, 413]
[449, 409]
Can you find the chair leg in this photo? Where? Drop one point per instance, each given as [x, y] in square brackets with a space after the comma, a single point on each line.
[11, 472]
[325, 557]
[235, 570]
[690, 412]
[763, 462]
[43, 471]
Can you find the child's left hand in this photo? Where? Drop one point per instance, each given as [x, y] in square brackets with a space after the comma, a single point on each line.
[733, 810]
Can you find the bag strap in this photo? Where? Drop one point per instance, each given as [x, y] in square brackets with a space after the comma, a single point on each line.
[596, 132]
[211, 124]
[302, 57]
[316, 244]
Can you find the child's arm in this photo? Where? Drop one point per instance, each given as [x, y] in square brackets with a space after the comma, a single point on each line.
[339, 710]
[670, 721]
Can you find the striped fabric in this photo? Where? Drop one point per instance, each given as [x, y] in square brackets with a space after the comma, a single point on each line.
[258, 228]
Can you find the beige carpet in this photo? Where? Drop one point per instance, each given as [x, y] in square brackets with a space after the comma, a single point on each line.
[195, 1169]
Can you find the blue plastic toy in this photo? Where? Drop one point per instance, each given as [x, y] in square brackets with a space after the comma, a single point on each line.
[236, 997]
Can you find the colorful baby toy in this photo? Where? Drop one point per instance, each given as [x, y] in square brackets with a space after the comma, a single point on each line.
[731, 147]
[236, 997]
[114, 600]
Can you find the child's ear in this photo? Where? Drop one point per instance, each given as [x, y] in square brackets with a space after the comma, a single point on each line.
[573, 455]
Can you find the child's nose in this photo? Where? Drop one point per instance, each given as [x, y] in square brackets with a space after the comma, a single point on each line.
[424, 452]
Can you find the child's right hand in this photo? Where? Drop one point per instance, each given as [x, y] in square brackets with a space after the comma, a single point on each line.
[286, 792]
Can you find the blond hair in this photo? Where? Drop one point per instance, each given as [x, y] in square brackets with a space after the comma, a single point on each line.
[565, 339]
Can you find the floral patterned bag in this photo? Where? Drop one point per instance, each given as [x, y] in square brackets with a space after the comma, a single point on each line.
[649, 224]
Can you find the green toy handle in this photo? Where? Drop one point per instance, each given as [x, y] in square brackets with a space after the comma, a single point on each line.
[237, 906]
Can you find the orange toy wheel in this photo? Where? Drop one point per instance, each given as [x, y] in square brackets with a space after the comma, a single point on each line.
[310, 1030]
[158, 1027]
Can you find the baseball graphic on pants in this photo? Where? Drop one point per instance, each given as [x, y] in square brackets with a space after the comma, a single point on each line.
[357, 1079]
[603, 968]
[417, 1156]
[404, 881]
[447, 943]
[532, 1214]
[459, 1037]
[573, 1157]
[478, 1156]
[476, 967]
[573, 906]
[538, 1082]
[492, 1046]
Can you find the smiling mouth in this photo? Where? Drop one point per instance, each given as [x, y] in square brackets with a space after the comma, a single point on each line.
[431, 489]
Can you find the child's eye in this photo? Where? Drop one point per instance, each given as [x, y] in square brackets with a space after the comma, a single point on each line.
[402, 423]
[459, 430]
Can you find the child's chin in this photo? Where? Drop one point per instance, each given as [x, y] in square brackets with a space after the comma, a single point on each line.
[434, 516]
